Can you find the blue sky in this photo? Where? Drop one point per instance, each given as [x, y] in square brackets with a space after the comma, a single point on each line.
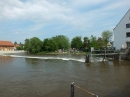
[21, 19]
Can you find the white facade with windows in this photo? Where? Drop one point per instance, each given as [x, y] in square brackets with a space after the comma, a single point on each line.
[122, 32]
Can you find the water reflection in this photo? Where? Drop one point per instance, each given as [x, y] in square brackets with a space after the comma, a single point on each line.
[32, 61]
[6, 59]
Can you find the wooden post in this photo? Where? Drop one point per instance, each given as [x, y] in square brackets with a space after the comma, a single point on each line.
[114, 55]
[118, 56]
[87, 59]
[72, 89]
[105, 55]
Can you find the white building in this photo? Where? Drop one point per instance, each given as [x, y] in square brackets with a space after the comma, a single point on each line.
[122, 32]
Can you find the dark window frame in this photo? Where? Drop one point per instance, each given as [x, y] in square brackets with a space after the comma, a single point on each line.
[127, 34]
[128, 25]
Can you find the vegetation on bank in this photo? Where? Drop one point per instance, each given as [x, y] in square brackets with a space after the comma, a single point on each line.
[62, 44]
[79, 53]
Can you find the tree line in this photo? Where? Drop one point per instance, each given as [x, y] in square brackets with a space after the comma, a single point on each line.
[35, 45]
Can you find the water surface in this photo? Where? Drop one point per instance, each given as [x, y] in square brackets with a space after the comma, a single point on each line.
[51, 76]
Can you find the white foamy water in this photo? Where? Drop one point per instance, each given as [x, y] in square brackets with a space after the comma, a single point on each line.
[93, 59]
[60, 58]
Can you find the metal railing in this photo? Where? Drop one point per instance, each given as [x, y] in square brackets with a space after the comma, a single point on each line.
[72, 90]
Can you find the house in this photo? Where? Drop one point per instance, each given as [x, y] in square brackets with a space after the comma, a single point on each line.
[6, 46]
[16, 45]
[122, 32]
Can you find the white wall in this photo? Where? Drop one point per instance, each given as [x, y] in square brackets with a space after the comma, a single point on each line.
[120, 32]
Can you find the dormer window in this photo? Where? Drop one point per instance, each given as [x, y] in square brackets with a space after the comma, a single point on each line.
[128, 25]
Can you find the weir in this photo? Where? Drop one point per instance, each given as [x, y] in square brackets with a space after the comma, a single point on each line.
[104, 54]
[65, 58]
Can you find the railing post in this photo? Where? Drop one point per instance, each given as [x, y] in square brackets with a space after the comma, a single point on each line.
[87, 59]
[72, 89]
[105, 55]
[95, 95]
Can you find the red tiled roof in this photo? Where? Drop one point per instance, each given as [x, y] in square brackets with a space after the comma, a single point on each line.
[6, 44]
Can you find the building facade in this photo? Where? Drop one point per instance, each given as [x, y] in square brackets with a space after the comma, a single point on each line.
[6, 46]
[122, 32]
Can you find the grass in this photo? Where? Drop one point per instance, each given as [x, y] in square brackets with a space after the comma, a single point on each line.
[43, 53]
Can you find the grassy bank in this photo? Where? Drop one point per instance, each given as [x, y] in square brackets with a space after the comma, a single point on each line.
[42, 53]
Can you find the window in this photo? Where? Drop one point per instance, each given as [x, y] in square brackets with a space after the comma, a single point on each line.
[128, 44]
[128, 25]
[128, 34]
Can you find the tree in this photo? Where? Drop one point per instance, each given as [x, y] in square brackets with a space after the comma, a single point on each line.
[33, 45]
[107, 36]
[26, 45]
[20, 43]
[15, 42]
[100, 43]
[86, 42]
[76, 42]
[93, 42]
[62, 42]
[20, 47]
[49, 45]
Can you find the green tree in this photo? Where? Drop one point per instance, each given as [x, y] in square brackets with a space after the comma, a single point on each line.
[20, 47]
[50, 45]
[101, 43]
[26, 45]
[93, 42]
[62, 42]
[76, 42]
[33, 45]
[107, 36]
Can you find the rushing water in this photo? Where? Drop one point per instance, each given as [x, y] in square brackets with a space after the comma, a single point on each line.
[51, 76]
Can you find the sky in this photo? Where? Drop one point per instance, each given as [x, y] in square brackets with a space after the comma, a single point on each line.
[21, 19]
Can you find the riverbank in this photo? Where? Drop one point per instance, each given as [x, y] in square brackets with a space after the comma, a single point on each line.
[78, 53]
[11, 52]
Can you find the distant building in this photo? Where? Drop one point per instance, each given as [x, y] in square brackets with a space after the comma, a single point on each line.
[16, 45]
[6, 46]
[122, 32]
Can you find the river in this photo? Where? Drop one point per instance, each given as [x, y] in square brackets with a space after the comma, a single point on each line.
[51, 76]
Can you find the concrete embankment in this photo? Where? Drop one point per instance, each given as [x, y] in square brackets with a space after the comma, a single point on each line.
[11, 52]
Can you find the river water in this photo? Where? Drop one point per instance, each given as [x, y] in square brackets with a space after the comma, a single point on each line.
[51, 75]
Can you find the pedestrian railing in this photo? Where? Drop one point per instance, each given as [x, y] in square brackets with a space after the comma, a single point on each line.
[72, 90]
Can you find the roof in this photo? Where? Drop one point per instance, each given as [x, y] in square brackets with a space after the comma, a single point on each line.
[6, 43]
[122, 18]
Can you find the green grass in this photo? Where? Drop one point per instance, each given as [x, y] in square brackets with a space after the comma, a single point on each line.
[43, 53]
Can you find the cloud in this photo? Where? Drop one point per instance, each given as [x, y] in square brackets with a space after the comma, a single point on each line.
[35, 10]
[48, 11]
[69, 16]
[42, 11]
[86, 3]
